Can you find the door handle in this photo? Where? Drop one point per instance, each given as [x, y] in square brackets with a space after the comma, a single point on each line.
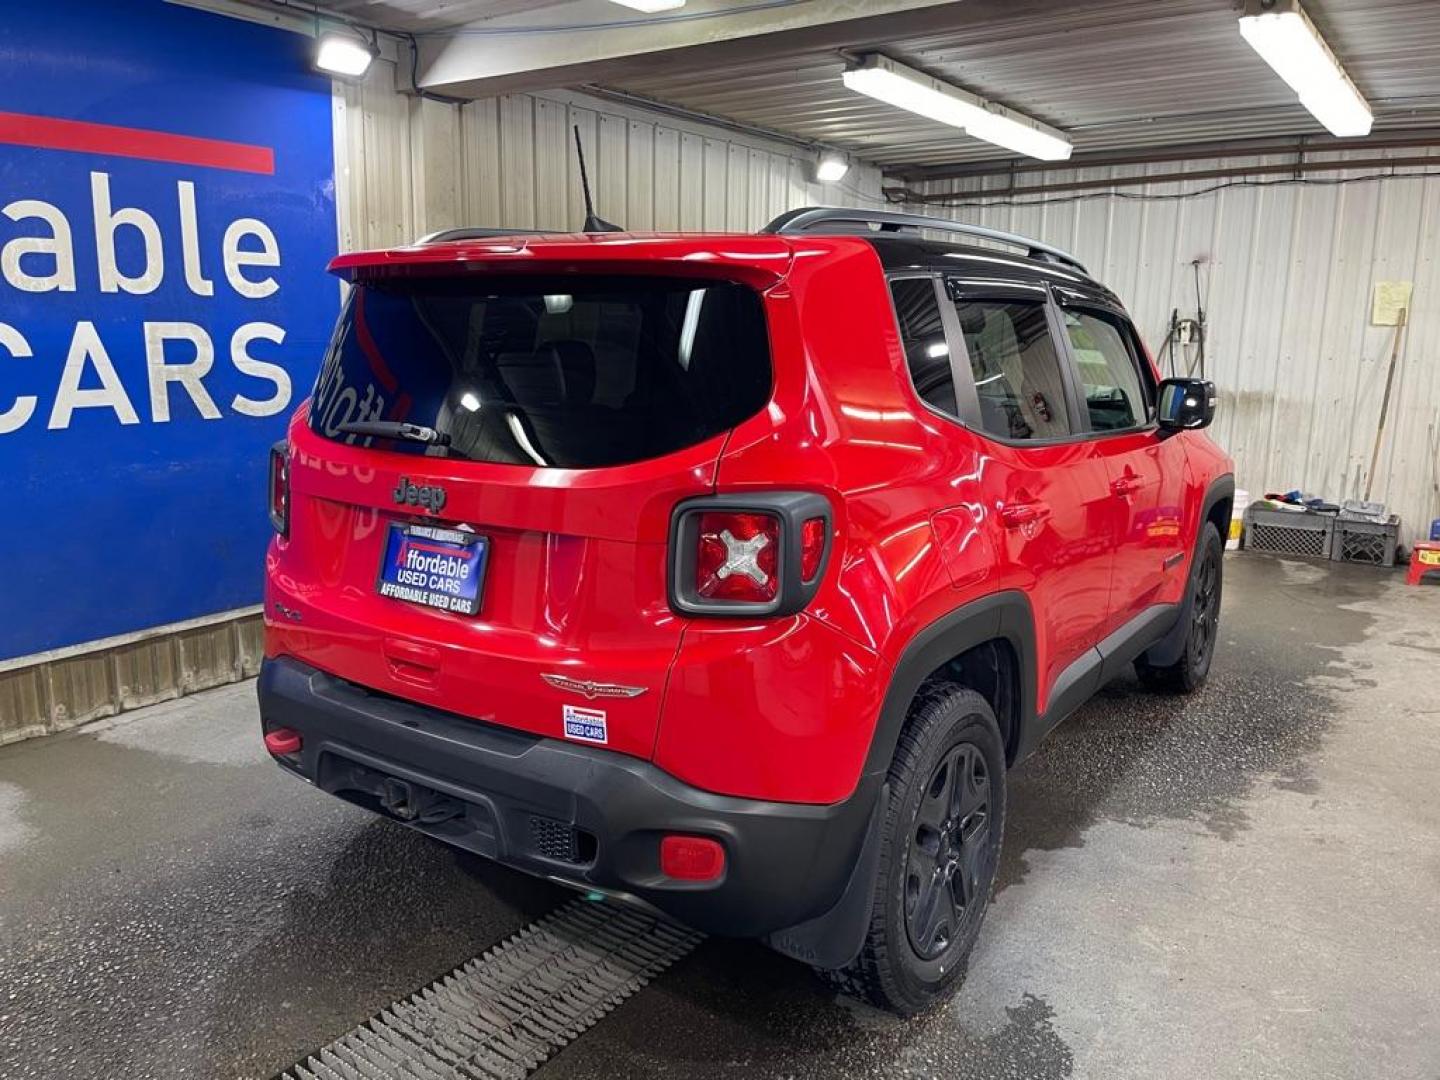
[412, 652]
[1126, 485]
[1018, 515]
[411, 660]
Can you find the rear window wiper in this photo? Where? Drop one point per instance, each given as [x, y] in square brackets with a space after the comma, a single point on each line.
[397, 429]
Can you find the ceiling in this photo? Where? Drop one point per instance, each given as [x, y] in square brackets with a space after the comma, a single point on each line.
[422, 16]
[1116, 75]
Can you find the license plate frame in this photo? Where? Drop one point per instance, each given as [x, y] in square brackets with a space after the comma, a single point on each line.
[441, 585]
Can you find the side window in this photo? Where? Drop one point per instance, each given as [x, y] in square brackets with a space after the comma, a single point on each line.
[1018, 377]
[1115, 395]
[923, 336]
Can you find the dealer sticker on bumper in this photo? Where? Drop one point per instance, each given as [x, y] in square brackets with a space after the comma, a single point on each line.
[587, 725]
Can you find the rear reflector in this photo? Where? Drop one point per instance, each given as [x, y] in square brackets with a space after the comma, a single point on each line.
[737, 557]
[691, 858]
[282, 741]
[812, 547]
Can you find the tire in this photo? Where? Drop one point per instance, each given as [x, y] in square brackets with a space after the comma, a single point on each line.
[1188, 674]
[919, 939]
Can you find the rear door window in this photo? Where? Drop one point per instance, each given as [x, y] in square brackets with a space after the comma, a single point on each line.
[570, 373]
[1018, 376]
[1116, 397]
[922, 333]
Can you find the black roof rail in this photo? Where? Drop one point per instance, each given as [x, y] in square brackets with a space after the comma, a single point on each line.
[814, 218]
[475, 232]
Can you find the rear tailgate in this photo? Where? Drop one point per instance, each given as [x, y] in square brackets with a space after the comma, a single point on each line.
[577, 416]
[570, 586]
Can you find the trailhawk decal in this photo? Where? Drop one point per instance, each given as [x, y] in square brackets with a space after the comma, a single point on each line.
[591, 689]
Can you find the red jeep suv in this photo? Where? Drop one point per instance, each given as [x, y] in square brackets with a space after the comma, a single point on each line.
[728, 574]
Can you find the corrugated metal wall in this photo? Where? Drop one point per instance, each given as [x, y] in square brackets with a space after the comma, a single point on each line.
[405, 167]
[1288, 277]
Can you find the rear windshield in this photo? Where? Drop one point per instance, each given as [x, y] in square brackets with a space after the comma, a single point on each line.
[571, 373]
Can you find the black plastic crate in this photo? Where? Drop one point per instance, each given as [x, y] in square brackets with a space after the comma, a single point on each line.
[1362, 541]
[1289, 532]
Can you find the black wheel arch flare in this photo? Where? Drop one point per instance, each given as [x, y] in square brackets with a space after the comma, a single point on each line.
[1003, 616]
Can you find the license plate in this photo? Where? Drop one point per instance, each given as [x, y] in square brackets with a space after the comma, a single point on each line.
[1430, 558]
[433, 567]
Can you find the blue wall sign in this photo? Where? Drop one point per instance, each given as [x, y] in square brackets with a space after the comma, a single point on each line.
[166, 213]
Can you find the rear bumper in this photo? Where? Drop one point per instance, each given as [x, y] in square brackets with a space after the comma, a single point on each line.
[582, 815]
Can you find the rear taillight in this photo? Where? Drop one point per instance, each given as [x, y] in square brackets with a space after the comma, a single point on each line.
[737, 557]
[280, 488]
[753, 554]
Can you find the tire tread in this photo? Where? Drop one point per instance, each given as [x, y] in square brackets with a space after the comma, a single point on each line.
[868, 976]
[1180, 677]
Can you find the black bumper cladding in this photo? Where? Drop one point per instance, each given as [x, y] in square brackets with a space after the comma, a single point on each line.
[588, 817]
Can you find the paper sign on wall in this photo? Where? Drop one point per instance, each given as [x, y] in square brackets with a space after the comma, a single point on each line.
[1391, 298]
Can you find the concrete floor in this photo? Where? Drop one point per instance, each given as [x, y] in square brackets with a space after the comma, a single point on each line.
[1245, 883]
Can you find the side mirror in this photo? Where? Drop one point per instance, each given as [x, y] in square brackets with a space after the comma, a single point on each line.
[1186, 404]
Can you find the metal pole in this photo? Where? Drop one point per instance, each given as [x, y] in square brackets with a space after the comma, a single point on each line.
[1385, 402]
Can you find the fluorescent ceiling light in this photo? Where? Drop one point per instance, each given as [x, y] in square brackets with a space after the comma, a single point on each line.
[343, 55]
[650, 7]
[895, 84]
[831, 168]
[1286, 39]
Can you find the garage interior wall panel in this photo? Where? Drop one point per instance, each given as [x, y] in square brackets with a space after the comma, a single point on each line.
[1287, 275]
[408, 166]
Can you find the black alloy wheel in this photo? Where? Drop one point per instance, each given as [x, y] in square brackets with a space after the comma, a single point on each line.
[1205, 607]
[949, 844]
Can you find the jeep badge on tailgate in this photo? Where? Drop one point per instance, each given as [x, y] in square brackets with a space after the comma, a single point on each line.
[431, 497]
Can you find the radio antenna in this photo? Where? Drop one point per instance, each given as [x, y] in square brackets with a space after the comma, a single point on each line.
[592, 223]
